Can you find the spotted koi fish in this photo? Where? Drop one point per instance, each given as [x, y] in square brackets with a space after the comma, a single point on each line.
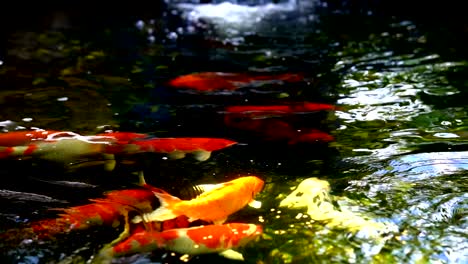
[214, 205]
[192, 241]
[214, 81]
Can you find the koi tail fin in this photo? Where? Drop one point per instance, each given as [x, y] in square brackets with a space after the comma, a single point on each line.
[164, 212]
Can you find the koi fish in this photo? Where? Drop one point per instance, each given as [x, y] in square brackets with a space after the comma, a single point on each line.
[104, 211]
[264, 111]
[176, 148]
[192, 241]
[112, 211]
[213, 81]
[214, 205]
[270, 129]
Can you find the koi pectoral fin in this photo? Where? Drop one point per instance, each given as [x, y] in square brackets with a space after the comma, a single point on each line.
[160, 214]
[232, 254]
[255, 204]
[201, 155]
[176, 155]
[219, 221]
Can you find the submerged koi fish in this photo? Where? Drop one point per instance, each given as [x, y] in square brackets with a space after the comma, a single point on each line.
[270, 129]
[264, 111]
[213, 81]
[192, 241]
[176, 148]
[214, 205]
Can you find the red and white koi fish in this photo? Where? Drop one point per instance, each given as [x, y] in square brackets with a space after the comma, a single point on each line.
[192, 241]
[66, 146]
[264, 111]
[213, 81]
[214, 205]
[176, 148]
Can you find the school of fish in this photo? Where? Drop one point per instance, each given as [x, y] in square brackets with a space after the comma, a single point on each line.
[196, 226]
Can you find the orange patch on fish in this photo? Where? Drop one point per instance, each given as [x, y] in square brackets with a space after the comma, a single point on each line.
[212, 81]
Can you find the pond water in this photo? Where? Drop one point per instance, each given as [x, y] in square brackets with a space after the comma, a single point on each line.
[395, 163]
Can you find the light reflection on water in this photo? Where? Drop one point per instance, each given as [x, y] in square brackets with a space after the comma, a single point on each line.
[427, 194]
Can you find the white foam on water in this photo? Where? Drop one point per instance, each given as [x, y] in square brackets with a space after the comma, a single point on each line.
[232, 18]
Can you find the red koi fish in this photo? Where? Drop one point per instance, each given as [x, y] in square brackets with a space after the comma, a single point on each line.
[193, 240]
[214, 205]
[112, 211]
[108, 211]
[264, 111]
[270, 129]
[214, 81]
[176, 148]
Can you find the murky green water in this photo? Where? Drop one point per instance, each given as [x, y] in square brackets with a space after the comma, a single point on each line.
[398, 160]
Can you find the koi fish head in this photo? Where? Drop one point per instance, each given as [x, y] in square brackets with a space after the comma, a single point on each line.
[244, 233]
[258, 185]
[254, 183]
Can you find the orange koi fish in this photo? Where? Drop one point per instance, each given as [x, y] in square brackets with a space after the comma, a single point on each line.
[263, 111]
[214, 205]
[214, 81]
[193, 240]
[176, 148]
